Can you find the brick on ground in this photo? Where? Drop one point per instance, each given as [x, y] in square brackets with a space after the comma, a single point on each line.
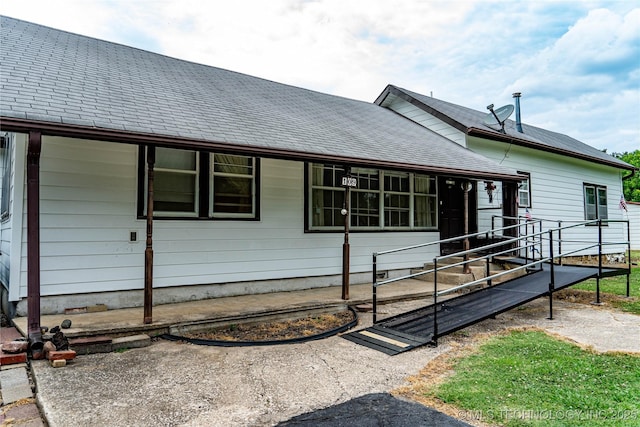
[61, 355]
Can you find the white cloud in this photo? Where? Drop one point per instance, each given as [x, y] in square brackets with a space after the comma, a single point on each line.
[576, 63]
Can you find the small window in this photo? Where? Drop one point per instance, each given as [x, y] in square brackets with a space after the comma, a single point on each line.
[232, 186]
[175, 184]
[524, 191]
[595, 202]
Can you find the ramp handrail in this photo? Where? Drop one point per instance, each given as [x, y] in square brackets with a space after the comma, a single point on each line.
[529, 240]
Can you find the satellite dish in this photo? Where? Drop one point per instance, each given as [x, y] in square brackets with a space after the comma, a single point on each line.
[498, 116]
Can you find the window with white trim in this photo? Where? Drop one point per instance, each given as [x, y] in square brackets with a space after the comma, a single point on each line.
[175, 186]
[193, 184]
[595, 202]
[524, 191]
[382, 199]
[232, 186]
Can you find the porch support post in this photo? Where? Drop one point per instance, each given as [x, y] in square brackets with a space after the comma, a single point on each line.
[148, 253]
[33, 244]
[345, 246]
[466, 187]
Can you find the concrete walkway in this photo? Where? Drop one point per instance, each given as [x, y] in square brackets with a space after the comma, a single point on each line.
[169, 383]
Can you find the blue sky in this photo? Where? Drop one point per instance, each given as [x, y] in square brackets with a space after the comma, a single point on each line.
[577, 63]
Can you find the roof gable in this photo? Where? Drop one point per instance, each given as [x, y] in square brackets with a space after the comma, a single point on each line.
[471, 122]
[62, 79]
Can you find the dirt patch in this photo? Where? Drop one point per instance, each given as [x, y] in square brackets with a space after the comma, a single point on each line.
[587, 297]
[277, 330]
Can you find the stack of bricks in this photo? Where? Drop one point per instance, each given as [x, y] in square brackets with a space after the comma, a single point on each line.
[58, 358]
[14, 347]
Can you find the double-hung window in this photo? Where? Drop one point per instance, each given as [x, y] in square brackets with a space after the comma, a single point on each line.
[524, 191]
[176, 182]
[387, 200]
[232, 186]
[193, 184]
[595, 202]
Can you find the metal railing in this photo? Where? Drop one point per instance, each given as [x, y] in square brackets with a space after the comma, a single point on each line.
[528, 245]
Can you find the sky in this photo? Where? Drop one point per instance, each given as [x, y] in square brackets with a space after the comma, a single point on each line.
[576, 63]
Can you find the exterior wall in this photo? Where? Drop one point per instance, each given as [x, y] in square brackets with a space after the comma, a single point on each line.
[556, 187]
[88, 209]
[633, 215]
[417, 115]
[11, 227]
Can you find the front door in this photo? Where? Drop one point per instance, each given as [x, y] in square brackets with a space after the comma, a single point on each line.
[451, 212]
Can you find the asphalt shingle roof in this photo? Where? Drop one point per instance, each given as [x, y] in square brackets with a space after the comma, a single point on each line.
[52, 76]
[533, 136]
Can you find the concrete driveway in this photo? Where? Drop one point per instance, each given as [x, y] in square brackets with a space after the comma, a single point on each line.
[175, 384]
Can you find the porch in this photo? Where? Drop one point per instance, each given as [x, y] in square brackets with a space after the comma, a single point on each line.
[226, 310]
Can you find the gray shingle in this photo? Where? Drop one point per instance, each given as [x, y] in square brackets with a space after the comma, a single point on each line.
[119, 87]
[538, 137]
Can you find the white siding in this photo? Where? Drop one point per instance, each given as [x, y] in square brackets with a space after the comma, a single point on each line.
[11, 228]
[556, 186]
[419, 116]
[88, 209]
[633, 215]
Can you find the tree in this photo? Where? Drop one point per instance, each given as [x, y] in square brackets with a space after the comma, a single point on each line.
[631, 186]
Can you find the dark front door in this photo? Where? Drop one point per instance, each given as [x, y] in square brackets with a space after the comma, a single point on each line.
[451, 220]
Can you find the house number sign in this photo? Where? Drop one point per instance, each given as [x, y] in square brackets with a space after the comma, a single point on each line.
[349, 181]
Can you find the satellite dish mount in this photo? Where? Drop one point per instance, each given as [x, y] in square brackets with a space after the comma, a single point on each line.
[498, 116]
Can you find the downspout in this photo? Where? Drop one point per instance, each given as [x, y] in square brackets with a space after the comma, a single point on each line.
[517, 95]
[34, 330]
[631, 175]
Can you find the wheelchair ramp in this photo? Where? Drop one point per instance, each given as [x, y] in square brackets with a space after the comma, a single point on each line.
[387, 340]
[415, 328]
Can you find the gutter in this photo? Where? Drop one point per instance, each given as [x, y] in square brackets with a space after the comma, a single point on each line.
[631, 175]
[529, 144]
[127, 137]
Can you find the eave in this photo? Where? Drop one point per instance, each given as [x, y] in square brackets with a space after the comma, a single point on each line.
[125, 137]
[542, 147]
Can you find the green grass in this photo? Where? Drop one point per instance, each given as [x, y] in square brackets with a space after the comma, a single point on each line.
[531, 379]
[617, 285]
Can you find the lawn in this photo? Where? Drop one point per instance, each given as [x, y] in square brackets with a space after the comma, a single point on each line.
[527, 378]
[614, 287]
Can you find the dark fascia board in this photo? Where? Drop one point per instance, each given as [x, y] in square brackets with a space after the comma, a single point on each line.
[390, 89]
[100, 134]
[542, 147]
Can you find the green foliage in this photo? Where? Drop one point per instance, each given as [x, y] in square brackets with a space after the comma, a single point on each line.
[631, 187]
[617, 285]
[532, 379]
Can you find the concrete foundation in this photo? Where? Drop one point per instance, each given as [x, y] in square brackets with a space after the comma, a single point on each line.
[57, 304]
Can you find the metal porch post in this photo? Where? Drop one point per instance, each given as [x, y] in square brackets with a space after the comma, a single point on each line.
[148, 253]
[597, 302]
[345, 246]
[33, 244]
[467, 186]
[552, 278]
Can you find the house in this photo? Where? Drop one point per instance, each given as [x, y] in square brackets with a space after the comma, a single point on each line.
[565, 180]
[633, 215]
[242, 177]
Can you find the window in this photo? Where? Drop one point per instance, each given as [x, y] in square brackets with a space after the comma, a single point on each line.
[6, 149]
[381, 200]
[595, 202]
[192, 184]
[175, 185]
[524, 192]
[233, 186]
